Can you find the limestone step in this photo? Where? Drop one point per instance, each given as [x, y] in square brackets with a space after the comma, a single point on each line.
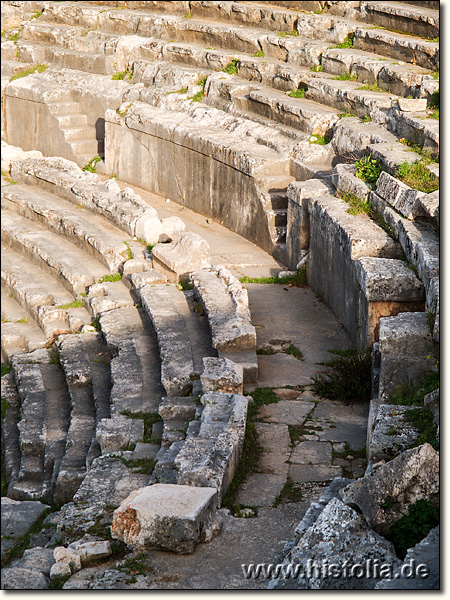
[89, 232]
[65, 261]
[351, 137]
[43, 426]
[72, 120]
[418, 21]
[403, 80]
[10, 432]
[303, 114]
[39, 295]
[348, 96]
[76, 366]
[135, 363]
[398, 46]
[181, 334]
[19, 332]
[418, 128]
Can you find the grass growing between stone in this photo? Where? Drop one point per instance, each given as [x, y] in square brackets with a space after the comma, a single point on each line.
[357, 205]
[347, 377]
[371, 87]
[293, 33]
[259, 54]
[290, 493]
[198, 97]
[297, 280]
[8, 178]
[35, 69]
[110, 278]
[231, 67]
[347, 77]
[322, 140]
[368, 169]
[144, 466]
[418, 177]
[149, 420]
[121, 75]
[405, 533]
[299, 92]
[91, 165]
[6, 368]
[409, 394]
[347, 43]
[74, 304]
[423, 420]
[23, 542]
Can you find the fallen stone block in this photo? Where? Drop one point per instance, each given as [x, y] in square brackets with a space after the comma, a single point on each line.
[69, 557]
[339, 536]
[385, 495]
[167, 517]
[16, 578]
[37, 558]
[186, 252]
[222, 375]
[90, 552]
[60, 570]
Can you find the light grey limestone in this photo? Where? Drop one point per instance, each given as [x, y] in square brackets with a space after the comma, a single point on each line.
[385, 495]
[404, 199]
[222, 375]
[167, 517]
[407, 350]
[90, 552]
[37, 558]
[226, 305]
[384, 279]
[390, 434]
[186, 252]
[18, 578]
[118, 433]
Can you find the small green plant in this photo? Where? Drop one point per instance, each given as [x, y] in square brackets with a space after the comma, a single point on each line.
[434, 101]
[22, 542]
[347, 43]
[182, 91]
[136, 564]
[294, 351]
[345, 115]
[127, 253]
[198, 97]
[29, 71]
[149, 420]
[418, 177]
[96, 323]
[347, 377]
[110, 278]
[410, 394]
[299, 92]
[188, 15]
[74, 304]
[357, 205]
[368, 169]
[8, 179]
[259, 54]
[435, 74]
[24, 320]
[297, 280]
[290, 493]
[322, 140]
[6, 368]
[54, 357]
[405, 533]
[366, 119]
[293, 33]
[36, 15]
[435, 114]
[231, 67]
[261, 397]
[435, 39]
[58, 582]
[371, 87]
[185, 285]
[422, 419]
[317, 68]
[91, 165]
[120, 75]
[347, 77]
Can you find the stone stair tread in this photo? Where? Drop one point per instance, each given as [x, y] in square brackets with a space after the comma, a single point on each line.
[10, 432]
[135, 366]
[65, 260]
[419, 20]
[18, 337]
[89, 231]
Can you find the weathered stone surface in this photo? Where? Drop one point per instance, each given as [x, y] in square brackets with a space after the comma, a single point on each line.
[412, 105]
[339, 534]
[10, 153]
[90, 552]
[17, 517]
[407, 350]
[59, 570]
[177, 409]
[400, 196]
[385, 495]
[425, 553]
[68, 556]
[186, 252]
[210, 457]
[385, 280]
[345, 180]
[432, 402]
[17, 578]
[37, 558]
[150, 277]
[390, 434]
[117, 433]
[167, 517]
[222, 375]
[226, 304]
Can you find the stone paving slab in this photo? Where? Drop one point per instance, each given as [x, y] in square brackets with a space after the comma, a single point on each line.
[261, 489]
[275, 440]
[316, 453]
[289, 412]
[308, 473]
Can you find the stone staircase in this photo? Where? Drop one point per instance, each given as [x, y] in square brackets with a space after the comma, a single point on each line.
[92, 389]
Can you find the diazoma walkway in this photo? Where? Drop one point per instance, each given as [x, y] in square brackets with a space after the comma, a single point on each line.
[174, 176]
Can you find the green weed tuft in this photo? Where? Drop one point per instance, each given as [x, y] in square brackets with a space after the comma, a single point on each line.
[368, 169]
[405, 533]
[110, 278]
[290, 493]
[347, 77]
[90, 166]
[120, 75]
[410, 394]
[231, 67]
[418, 177]
[299, 92]
[297, 280]
[259, 54]
[347, 43]
[29, 71]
